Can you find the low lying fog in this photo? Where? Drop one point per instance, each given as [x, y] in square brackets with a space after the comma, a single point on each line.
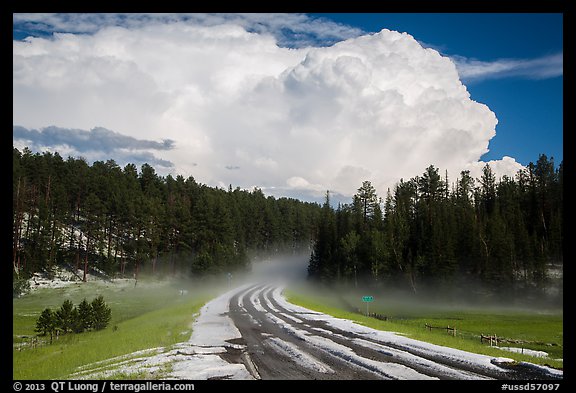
[293, 269]
[281, 267]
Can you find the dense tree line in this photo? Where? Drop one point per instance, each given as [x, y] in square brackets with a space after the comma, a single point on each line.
[431, 232]
[121, 220]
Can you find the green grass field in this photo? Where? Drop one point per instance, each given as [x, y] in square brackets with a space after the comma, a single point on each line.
[149, 315]
[539, 330]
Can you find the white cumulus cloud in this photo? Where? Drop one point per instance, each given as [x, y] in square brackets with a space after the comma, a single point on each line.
[506, 166]
[376, 107]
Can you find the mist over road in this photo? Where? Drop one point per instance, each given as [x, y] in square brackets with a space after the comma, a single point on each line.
[279, 340]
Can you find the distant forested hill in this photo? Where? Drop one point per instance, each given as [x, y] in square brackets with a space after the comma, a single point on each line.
[430, 230]
[122, 220]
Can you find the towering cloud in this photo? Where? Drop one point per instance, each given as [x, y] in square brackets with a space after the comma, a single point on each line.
[237, 108]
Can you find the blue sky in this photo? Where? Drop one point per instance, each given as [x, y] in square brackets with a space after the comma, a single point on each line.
[528, 106]
[295, 104]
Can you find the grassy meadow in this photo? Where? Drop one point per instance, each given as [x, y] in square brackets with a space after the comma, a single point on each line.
[149, 315]
[535, 330]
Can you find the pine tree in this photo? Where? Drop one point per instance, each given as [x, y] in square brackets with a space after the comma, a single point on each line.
[101, 313]
[76, 326]
[366, 202]
[64, 316]
[46, 323]
[349, 249]
[466, 245]
[323, 263]
[85, 315]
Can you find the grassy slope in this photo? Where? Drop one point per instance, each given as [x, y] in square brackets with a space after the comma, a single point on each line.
[144, 317]
[410, 320]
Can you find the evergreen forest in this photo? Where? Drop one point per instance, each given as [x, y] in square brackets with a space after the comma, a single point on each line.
[430, 230]
[102, 218]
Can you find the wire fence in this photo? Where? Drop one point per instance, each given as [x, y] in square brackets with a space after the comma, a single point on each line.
[492, 339]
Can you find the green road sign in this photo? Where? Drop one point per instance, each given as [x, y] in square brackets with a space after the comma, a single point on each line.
[367, 299]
